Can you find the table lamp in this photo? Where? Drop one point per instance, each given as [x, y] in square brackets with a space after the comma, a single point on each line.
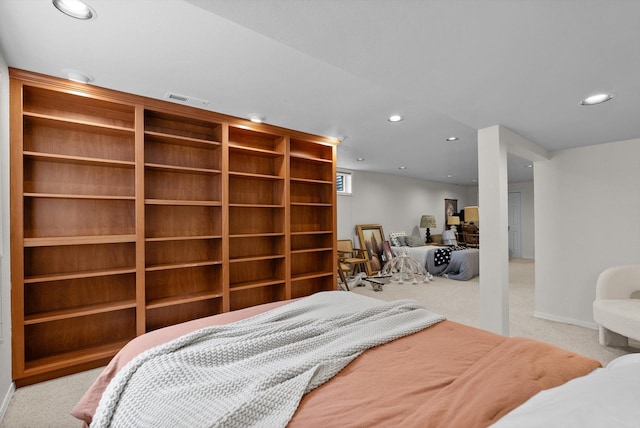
[453, 221]
[428, 221]
[471, 215]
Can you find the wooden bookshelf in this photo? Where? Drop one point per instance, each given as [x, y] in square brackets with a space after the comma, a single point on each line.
[130, 214]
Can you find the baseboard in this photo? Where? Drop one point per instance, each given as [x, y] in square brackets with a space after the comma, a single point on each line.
[579, 323]
[7, 399]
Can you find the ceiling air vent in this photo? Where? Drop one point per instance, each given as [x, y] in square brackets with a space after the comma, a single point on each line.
[191, 101]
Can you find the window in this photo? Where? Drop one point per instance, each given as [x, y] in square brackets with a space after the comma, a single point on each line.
[343, 183]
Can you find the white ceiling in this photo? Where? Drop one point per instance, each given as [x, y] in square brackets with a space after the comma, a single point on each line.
[341, 67]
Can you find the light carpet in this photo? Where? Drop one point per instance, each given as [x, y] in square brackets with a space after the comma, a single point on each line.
[459, 301]
[48, 404]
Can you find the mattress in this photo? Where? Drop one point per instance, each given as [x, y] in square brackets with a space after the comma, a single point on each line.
[445, 375]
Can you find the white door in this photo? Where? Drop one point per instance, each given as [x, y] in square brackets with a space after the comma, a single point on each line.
[515, 241]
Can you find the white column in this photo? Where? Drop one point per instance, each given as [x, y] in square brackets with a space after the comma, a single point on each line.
[494, 237]
[493, 200]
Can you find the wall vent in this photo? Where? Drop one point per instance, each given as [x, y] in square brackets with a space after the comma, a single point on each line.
[184, 99]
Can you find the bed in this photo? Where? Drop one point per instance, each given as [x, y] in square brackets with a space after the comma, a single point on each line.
[461, 265]
[445, 374]
[607, 397]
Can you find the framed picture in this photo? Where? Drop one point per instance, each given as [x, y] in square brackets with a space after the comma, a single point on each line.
[372, 240]
[450, 208]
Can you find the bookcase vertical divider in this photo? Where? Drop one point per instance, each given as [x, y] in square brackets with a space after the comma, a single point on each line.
[287, 218]
[140, 238]
[225, 218]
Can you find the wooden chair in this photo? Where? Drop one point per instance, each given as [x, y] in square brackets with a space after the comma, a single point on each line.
[471, 236]
[350, 260]
[341, 275]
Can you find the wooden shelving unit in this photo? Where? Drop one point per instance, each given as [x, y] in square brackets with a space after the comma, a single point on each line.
[183, 218]
[130, 214]
[313, 216]
[257, 228]
[73, 228]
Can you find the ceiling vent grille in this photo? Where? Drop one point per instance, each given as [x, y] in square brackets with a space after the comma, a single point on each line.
[183, 99]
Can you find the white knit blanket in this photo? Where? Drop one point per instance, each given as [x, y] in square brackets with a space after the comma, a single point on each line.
[253, 372]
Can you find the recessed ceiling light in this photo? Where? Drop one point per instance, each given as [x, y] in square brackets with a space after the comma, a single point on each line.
[449, 176]
[77, 76]
[75, 9]
[360, 159]
[256, 118]
[596, 99]
[395, 118]
[452, 139]
[530, 166]
[402, 167]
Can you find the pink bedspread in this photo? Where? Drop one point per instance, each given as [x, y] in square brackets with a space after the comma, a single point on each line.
[446, 375]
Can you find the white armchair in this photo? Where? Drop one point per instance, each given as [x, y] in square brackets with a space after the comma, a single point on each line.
[616, 308]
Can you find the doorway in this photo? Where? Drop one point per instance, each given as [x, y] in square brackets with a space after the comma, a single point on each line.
[515, 225]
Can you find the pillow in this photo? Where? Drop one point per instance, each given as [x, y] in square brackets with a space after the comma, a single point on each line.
[415, 241]
[398, 239]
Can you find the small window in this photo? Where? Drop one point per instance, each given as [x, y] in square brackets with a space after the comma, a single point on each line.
[343, 183]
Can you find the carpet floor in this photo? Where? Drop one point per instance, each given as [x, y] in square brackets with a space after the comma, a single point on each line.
[459, 301]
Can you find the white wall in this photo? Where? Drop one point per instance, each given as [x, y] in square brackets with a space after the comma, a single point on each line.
[472, 196]
[587, 205]
[6, 386]
[395, 202]
[527, 218]
[345, 215]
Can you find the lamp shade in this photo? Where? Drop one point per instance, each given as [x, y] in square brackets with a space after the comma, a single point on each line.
[428, 221]
[471, 214]
[454, 220]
